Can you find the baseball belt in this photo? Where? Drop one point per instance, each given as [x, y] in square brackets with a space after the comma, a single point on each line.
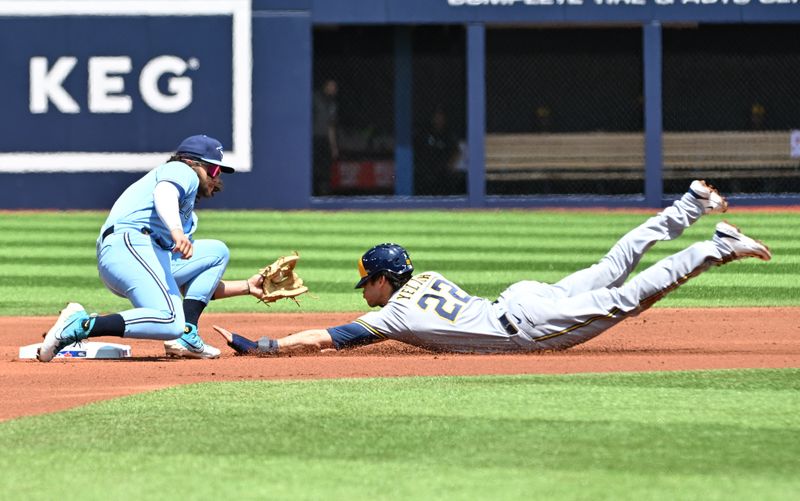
[146, 231]
[508, 325]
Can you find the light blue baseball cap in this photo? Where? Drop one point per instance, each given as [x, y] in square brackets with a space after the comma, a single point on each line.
[206, 149]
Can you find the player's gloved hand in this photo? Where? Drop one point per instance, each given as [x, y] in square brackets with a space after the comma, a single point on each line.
[183, 244]
[280, 281]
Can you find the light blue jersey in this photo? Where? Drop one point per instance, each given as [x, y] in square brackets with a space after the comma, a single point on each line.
[146, 253]
[135, 261]
[135, 208]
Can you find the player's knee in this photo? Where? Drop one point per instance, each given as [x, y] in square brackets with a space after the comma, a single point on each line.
[175, 330]
[166, 332]
[220, 250]
[171, 330]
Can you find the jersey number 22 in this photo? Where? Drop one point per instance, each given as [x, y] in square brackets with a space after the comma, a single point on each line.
[448, 302]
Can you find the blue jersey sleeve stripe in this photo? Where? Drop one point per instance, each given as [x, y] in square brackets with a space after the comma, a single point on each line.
[352, 334]
[370, 328]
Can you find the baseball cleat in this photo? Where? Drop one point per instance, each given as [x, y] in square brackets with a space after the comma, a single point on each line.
[66, 331]
[190, 345]
[709, 197]
[740, 244]
[175, 349]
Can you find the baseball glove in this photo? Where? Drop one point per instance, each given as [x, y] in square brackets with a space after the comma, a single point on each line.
[281, 281]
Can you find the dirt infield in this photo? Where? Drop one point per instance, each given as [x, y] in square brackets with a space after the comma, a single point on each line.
[659, 339]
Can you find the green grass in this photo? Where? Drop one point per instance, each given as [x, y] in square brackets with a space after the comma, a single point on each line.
[48, 258]
[691, 435]
[680, 435]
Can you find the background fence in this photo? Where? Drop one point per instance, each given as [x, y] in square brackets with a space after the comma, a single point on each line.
[730, 104]
[564, 109]
[361, 113]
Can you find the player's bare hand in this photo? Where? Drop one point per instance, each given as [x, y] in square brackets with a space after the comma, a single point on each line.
[183, 244]
[254, 285]
[224, 333]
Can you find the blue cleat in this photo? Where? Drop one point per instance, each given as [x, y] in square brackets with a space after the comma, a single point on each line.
[190, 345]
[67, 330]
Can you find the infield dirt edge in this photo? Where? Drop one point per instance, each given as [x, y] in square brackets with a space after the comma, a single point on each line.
[659, 339]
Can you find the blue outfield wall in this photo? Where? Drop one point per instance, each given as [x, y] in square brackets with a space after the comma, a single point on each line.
[281, 176]
[83, 147]
[88, 108]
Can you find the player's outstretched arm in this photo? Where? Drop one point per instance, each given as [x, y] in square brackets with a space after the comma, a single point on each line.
[308, 341]
[249, 287]
[312, 340]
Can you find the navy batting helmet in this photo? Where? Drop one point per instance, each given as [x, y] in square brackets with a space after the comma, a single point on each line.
[388, 257]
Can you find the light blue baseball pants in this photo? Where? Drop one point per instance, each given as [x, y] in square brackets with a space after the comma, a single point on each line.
[131, 265]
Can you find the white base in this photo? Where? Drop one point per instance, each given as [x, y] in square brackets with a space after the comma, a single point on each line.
[89, 349]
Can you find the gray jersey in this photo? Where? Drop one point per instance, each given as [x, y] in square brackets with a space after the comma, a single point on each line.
[432, 312]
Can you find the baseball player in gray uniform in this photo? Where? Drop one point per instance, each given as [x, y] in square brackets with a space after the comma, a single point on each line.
[430, 311]
[146, 252]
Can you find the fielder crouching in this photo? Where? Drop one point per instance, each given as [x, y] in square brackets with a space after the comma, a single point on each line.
[146, 252]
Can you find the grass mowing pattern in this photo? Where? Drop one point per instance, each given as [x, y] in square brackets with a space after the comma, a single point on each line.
[675, 435]
[48, 258]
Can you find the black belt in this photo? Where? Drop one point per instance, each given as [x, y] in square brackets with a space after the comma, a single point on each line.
[108, 231]
[508, 325]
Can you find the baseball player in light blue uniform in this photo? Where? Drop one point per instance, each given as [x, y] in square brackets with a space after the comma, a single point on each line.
[146, 253]
[430, 311]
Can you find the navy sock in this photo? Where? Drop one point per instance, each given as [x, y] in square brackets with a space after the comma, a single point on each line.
[106, 325]
[192, 309]
[242, 344]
